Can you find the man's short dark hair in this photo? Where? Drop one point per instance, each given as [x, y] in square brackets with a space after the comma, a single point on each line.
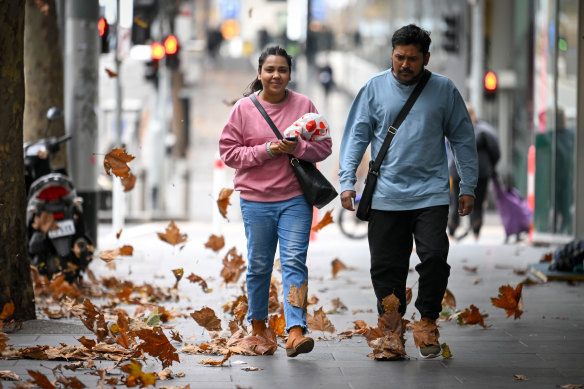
[412, 35]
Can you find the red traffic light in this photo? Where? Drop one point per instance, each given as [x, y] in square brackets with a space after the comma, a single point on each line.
[157, 50]
[102, 26]
[171, 45]
[491, 82]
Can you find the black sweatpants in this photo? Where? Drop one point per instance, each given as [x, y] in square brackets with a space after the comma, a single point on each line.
[391, 237]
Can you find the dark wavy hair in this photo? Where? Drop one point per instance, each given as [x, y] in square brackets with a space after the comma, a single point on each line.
[256, 84]
[412, 35]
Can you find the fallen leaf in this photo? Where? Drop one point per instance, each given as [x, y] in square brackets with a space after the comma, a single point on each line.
[119, 234]
[571, 386]
[178, 274]
[116, 161]
[298, 296]
[157, 345]
[195, 278]
[258, 344]
[250, 368]
[7, 310]
[172, 235]
[445, 351]
[337, 265]
[109, 255]
[223, 201]
[136, 376]
[520, 377]
[448, 300]
[215, 242]
[111, 73]
[45, 222]
[319, 322]
[213, 362]
[327, 219]
[3, 340]
[510, 299]
[338, 305]
[278, 324]
[8, 375]
[206, 317]
[140, 22]
[425, 332]
[387, 338]
[472, 316]
[128, 182]
[470, 269]
[88, 343]
[175, 335]
[408, 295]
[165, 375]
[94, 320]
[390, 303]
[40, 379]
[233, 266]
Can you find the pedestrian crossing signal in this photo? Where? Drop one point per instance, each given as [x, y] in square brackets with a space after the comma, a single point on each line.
[103, 29]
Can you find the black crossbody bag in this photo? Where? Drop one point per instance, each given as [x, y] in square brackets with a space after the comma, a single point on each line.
[317, 189]
[364, 208]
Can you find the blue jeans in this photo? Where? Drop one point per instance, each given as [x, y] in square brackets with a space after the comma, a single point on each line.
[267, 224]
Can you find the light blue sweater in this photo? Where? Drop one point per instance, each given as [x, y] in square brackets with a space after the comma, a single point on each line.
[414, 172]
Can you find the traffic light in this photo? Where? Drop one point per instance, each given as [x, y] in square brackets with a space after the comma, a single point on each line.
[103, 28]
[490, 85]
[450, 40]
[156, 54]
[171, 48]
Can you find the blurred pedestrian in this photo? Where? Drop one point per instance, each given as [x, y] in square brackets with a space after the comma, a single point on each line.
[488, 153]
[411, 198]
[273, 206]
[325, 76]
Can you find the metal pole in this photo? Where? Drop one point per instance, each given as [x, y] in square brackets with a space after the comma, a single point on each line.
[478, 56]
[117, 191]
[579, 146]
[81, 98]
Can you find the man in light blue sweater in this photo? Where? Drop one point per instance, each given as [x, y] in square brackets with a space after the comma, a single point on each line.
[411, 198]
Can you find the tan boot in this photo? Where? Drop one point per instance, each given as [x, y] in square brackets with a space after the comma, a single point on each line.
[258, 328]
[298, 343]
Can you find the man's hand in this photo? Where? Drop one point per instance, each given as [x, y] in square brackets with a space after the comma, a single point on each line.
[465, 205]
[348, 199]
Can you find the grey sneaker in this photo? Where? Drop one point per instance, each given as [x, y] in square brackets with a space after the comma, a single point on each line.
[430, 351]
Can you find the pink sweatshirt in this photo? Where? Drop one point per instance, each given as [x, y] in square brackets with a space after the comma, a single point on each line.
[242, 146]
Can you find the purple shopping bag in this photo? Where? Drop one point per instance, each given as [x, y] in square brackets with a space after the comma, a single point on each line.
[515, 214]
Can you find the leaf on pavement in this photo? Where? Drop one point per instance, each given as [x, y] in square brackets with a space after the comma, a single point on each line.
[40, 379]
[425, 332]
[520, 377]
[470, 269]
[157, 345]
[136, 376]
[8, 375]
[233, 266]
[448, 300]
[94, 320]
[88, 343]
[213, 362]
[510, 299]
[387, 338]
[337, 265]
[178, 274]
[128, 182]
[278, 324]
[176, 336]
[298, 296]
[206, 317]
[326, 219]
[472, 316]
[7, 310]
[3, 340]
[215, 242]
[172, 235]
[446, 351]
[320, 322]
[116, 161]
[390, 303]
[223, 201]
[45, 222]
[195, 278]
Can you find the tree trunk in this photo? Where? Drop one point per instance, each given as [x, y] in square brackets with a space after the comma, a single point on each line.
[43, 72]
[15, 279]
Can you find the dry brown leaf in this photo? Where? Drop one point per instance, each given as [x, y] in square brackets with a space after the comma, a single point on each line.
[178, 274]
[338, 305]
[510, 299]
[470, 269]
[172, 235]
[157, 345]
[472, 316]
[408, 295]
[448, 300]
[111, 73]
[233, 266]
[206, 317]
[425, 332]
[215, 242]
[213, 362]
[387, 338]
[195, 278]
[255, 344]
[446, 353]
[390, 303]
[136, 376]
[520, 377]
[88, 343]
[326, 219]
[140, 22]
[7, 310]
[94, 320]
[128, 182]
[109, 255]
[320, 322]
[298, 296]
[116, 161]
[40, 379]
[45, 222]
[8, 375]
[119, 234]
[176, 336]
[278, 324]
[223, 201]
[3, 340]
[337, 265]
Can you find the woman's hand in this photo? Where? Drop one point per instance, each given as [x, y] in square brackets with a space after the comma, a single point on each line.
[287, 146]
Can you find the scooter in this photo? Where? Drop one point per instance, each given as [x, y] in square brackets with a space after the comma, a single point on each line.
[56, 236]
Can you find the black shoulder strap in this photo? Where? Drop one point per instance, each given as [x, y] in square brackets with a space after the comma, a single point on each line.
[265, 115]
[374, 167]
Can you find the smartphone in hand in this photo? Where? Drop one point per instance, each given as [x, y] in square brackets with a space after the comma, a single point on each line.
[290, 138]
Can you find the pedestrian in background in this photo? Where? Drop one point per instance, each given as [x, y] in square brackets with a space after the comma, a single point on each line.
[488, 153]
[273, 206]
[411, 198]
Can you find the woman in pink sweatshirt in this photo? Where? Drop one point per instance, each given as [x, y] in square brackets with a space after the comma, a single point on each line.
[273, 206]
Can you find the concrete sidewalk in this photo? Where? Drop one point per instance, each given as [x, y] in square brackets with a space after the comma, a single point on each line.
[545, 345]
